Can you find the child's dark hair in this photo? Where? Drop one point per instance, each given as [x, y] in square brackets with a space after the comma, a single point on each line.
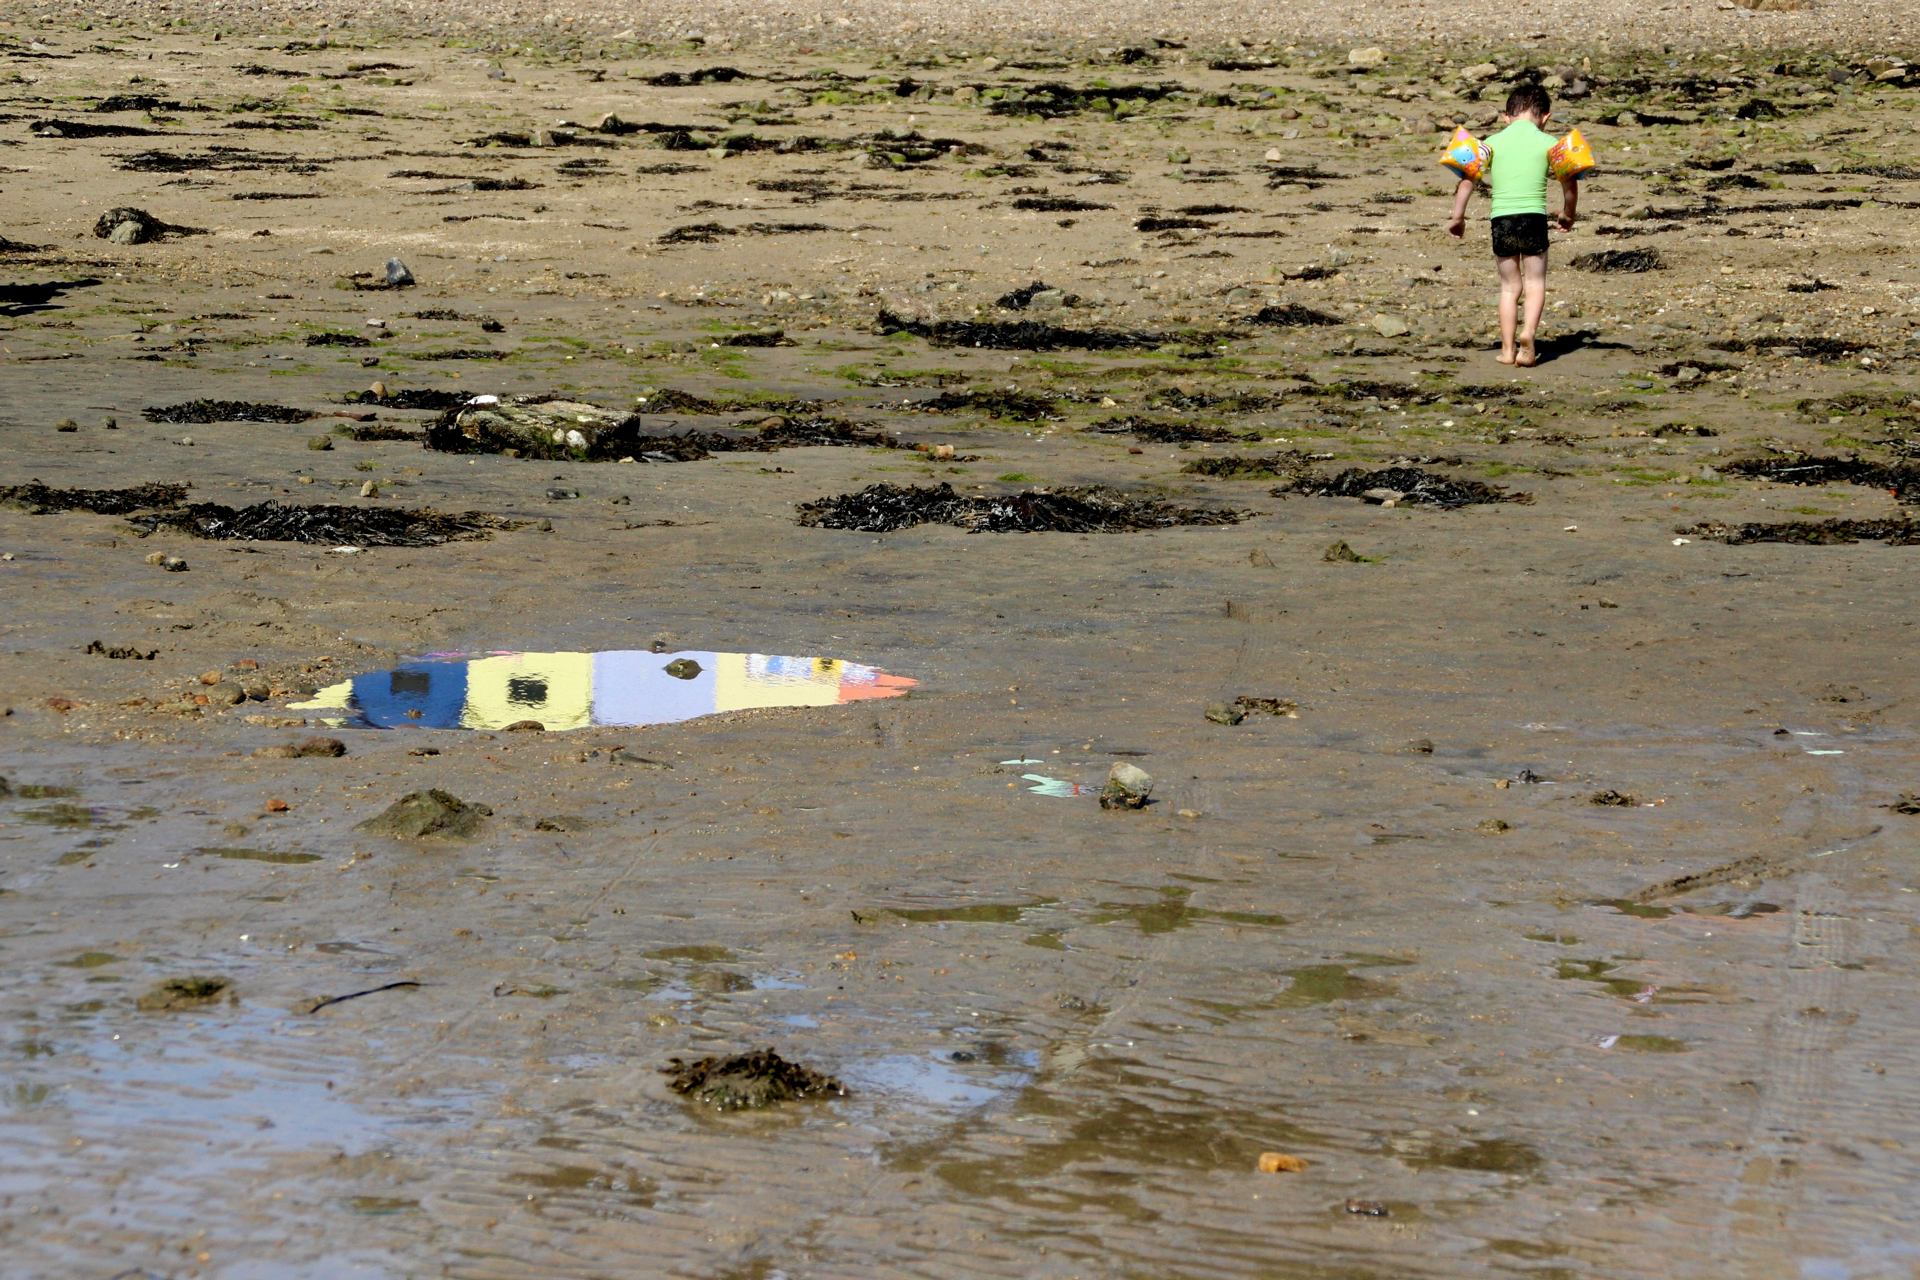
[1529, 97]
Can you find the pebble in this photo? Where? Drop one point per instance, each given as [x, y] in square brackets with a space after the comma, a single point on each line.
[371, 489]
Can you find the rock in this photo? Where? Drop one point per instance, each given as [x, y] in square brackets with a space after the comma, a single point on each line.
[1366, 59]
[683, 669]
[1048, 300]
[191, 992]
[371, 489]
[1384, 497]
[1480, 71]
[428, 813]
[525, 726]
[1279, 1162]
[1128, 787]
[128, 225]
[552, 429]
[320, 444]
[398, 276]
[966, 93]
[611, 123]
[1391, 326]
[1341, 553]
[1224, 713]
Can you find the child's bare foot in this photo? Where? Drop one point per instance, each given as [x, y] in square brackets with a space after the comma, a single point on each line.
[1525, 355]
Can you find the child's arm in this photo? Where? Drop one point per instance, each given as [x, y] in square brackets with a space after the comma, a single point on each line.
[1569, 202]
[1457, 224]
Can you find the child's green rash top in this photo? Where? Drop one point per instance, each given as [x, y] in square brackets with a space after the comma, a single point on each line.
[1518, 173]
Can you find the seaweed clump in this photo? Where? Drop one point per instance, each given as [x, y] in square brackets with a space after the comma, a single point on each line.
[1811, 533]
[204, 411]
[1415, 486]
[1632, 261]
[1902, 480]
[1292, 315]
[329, 525]
[40, 499]
[886, 508]
[413, 398]
[1289, 463]
[1018, 405]
[1019, 335]
[1163, 431]
[748, 1081]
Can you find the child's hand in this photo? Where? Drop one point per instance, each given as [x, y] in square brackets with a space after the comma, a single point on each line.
[1457, 228]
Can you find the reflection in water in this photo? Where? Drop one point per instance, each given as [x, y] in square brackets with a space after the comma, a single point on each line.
[611, 687]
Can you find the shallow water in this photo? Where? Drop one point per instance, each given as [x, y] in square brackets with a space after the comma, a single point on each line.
[622, 687]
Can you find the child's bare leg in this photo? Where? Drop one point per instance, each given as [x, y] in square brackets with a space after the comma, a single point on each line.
[1509, 306]
[1533, 272]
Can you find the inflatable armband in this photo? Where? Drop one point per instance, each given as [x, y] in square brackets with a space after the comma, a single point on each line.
[1466, 155]
[1570, 157]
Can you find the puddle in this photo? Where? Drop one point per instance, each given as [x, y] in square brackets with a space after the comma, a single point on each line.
[1489, 1155]
[1059, 788]
[257, 855]
[1628, 907]
[583, 689]
[698, 953]
[245, 1088]
[1327, 983]
[1172, 912]
[976, 913]
[928, 1079]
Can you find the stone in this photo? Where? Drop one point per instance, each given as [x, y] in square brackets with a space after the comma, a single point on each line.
[398, 275]
[1048, 300]
[127, 225]
[1480, 71]
[421, 814]
[1128, 787]
[371, 489]
[320, 444]
[1341, 553]
[1366, 59]
[1391, 326]
[1384, 497]
[683, 669]
[551, 429]
[1224, 713]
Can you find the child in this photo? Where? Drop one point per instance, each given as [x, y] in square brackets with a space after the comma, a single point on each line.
[1517, 175]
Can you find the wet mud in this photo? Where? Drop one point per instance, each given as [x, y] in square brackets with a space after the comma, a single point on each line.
[1475, 880]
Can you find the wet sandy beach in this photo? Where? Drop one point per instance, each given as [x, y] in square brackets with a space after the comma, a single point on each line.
[1561, 922]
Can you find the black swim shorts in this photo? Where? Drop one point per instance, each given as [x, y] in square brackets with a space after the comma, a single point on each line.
[1520, 235]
